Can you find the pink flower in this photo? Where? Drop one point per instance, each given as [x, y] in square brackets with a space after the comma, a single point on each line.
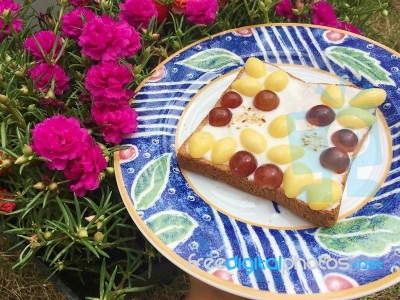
[42, 75]
[79, 2]
[5, 204]
[85, 169]
[15, 23]
[59, 139]
[46, 40]
[103, 38]
[107, 80]
[201, 11]
[349, 27]
[115, 119]
[284, 9]
[137, 12]
[72, 23]
[323, 14]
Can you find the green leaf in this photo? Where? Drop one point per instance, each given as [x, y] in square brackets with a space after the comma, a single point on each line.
[212, 60]
[172, 227]
[151, 182]
[360, 64]
[361, 235]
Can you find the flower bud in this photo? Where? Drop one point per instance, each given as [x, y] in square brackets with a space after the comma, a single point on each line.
[147, 51]
[27, 150]
[4, 99]
[64, 2]
[84, 98]
[21, 160]
[6, 14]
[176, 45]
[34, 245]
[31, 107]
[103, 148]
[137, 69]
[82, 233]
[110, 171]
[154, 36]
[299, 5]
[60, 266]
[19, 74]
[86, 60]
[5, 163]
[262, 6]
[102, 176]
[47, 235]
[384, 13]
[89, 218]
[24, 90]
[50, 94]
[39, 186]
[106, 4]
[99, 224]
[98, 237]
[53, 186]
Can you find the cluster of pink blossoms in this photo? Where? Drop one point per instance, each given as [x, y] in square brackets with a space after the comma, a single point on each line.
[105, 40]
[9, 22]
[44, 47]
[70, 148]
[322, 14]
[67, 146]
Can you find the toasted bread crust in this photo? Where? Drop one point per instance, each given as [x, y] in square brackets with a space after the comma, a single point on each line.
[326, 218]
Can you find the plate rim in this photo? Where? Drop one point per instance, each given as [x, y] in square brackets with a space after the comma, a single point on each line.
[208, 278]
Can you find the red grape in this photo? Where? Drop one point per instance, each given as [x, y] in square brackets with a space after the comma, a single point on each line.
[266, 100]
[231, 100]
[345, 139]
[335, 159]
[242, 163]
[219, 116]
[320, 115]
[269, 176]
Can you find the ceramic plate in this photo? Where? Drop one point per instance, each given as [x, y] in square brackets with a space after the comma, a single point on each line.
[241, 243]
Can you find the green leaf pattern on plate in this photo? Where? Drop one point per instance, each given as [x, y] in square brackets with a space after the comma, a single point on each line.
[370, 236]
[151, 182]
[172, 227]
[360, 64]
[212, 60]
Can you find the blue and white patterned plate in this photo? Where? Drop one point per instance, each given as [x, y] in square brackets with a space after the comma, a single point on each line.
[221, 235]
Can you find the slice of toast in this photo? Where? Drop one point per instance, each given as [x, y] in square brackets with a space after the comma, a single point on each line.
[287, 141]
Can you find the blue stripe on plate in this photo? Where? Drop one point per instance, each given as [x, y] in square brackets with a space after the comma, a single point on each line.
[242, 277]
[253, 253]
[269, 253]
[309, 274]
[307, 36]
[294, 277]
